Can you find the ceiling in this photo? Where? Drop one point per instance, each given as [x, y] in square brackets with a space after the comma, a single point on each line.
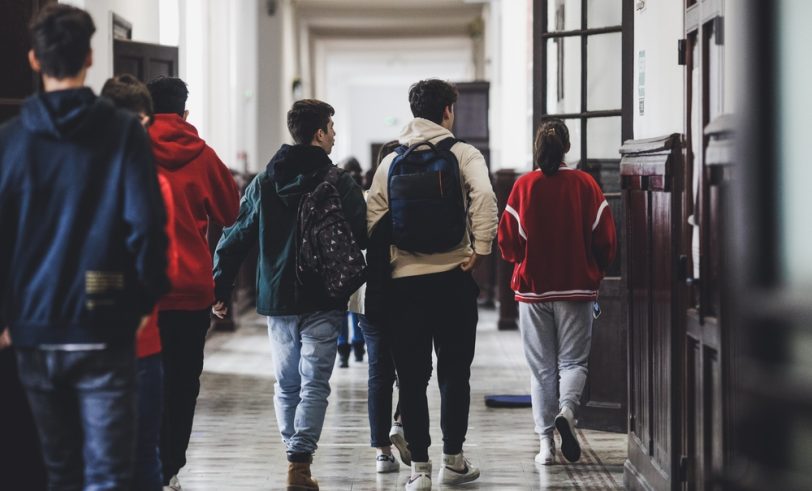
[388, 18]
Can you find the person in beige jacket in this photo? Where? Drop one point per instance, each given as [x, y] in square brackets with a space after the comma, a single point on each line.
[433, 298]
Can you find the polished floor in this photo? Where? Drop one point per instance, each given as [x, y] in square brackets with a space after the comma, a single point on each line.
[236, 446]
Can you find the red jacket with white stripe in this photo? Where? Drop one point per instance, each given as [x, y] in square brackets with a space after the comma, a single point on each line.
[560, 234]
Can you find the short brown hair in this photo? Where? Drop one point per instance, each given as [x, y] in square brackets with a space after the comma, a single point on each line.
[127, 92]
[60, 37]
[428, 98]
[306, 117]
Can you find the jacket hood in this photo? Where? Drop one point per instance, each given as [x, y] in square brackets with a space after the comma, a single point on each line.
[294, 170]
[175, 142]
[420, 129]
[65, 113]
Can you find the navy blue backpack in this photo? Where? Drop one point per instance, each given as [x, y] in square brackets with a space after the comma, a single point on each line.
[425, 198]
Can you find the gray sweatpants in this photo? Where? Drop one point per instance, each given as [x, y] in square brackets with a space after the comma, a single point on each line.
[557, 337]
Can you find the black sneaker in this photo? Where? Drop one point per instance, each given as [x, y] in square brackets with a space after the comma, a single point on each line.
[565, 424]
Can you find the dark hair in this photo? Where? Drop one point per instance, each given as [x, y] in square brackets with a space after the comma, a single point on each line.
[428, 98]
[552, 142]
[169, 95]
[306, 117]
[352, 167]
[385, 150]
[60, 37]
[127, 92]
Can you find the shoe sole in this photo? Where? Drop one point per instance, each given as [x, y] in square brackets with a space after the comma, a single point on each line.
[403, 449]
[387, 470]
[459, 479]
[544, 462]
[570, 448]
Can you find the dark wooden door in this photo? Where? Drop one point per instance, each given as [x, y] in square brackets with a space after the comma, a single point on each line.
[652, 181]
[705, 345]
[17, 81]
[471, 124]
[143, 60]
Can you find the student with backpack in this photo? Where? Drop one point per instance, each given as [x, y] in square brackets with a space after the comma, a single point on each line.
[203, 191]
[308, 218]
[82, 258]
[558, 230]
[438, 194]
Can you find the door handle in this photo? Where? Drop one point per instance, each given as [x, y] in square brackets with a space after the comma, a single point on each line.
[683, 272]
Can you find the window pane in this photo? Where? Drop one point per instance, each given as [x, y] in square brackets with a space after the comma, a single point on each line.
[564, 75]
[573, 157]
[563, 15]
[603, 138]
[604, 71]
[603, 13]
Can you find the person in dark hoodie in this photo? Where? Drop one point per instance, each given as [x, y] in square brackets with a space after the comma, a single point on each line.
[203, 191]
[303, 322]
[82, 257]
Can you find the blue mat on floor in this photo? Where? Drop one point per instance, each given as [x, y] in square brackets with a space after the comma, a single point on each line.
[504, 400]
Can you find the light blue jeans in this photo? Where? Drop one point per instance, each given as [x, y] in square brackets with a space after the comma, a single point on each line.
[304, 353]
[557, 337]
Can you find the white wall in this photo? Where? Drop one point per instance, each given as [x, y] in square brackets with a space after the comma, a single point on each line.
[367, 82]
[143, 15]
[656, 30]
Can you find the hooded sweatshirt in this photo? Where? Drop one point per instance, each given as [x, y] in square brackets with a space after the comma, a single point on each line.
[82, 248]
[268, 214]
[476, 185]
[203, 190]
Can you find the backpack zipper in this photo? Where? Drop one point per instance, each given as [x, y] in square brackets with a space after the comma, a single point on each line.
[440, 175]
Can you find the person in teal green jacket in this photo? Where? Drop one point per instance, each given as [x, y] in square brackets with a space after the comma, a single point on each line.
[303, 322]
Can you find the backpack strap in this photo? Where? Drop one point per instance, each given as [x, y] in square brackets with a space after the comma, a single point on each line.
[446, 144]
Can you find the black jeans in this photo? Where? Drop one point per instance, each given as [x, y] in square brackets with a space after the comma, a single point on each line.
[439, 308]
[84, 405]
[183, 337]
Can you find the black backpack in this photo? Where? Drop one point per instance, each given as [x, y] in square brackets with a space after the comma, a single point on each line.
[425, 198]
[327, 254]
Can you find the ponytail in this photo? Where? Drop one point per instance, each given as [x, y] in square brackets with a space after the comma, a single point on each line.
[552, 142]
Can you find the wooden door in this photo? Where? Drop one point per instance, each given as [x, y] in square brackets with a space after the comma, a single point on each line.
[651, 178]
[17, 81]
[143, 60]
[707, 170]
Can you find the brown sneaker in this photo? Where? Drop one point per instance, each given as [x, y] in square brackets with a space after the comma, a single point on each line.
[299, 478]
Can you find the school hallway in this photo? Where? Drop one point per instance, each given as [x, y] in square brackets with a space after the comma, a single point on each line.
[236, 445]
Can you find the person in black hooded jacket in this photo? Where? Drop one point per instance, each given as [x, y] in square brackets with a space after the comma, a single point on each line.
[303, 321]
[84, 247]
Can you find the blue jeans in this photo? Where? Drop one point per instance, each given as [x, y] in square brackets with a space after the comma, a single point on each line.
[381, 379]
[357, 330]
[84, 406]
[304, 352]
[148, 476]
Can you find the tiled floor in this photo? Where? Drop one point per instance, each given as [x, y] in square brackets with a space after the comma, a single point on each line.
[235, 443]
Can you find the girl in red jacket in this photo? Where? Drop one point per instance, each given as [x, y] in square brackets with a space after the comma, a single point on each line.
[558, 230]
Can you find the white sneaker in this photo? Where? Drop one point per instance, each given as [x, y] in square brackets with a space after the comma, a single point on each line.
[457, 470]
[565, 424]
[420, 480]
[386, 463]
[546, 455]
[174, 484]
[399, 441]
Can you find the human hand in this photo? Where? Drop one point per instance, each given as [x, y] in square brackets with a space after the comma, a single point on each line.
[472, 262]
[219, 309]
[5, 339]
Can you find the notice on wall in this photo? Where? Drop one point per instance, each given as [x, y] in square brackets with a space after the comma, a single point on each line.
[641, 82]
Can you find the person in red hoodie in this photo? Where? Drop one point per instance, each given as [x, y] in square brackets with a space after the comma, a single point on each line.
[558, 230]
[204, 191]
[127, 92]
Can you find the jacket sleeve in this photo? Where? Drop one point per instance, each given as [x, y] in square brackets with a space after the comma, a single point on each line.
[378, 197]
[236, 241]
[355, 208]
[512, 235]
[482, 210]
[145, 217]
[604, 238]
[224, 202]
